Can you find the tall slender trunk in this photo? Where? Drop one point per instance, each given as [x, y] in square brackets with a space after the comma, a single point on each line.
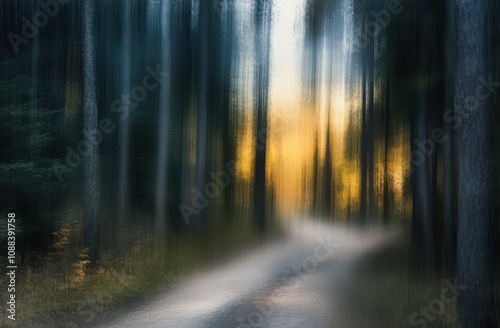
[262, 57]
[371, 130]
[315, 204]
[35, 58]
[423, 218]
[386, 151]
[228, 37]
[327, 175]
[474, 267]
[328, 186]
[202, 110]
[163, 125]
[124, 126]
[449, 162]
[363, 157]
[90, 118]
[423, 215]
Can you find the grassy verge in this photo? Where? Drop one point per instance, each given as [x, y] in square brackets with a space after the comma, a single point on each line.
[389, 292]
[63, 290]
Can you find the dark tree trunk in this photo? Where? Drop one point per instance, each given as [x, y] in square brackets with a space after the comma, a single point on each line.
[386, 151]
[364, 137]
[449, 161]
[262, 57]
[371, 130]
[204, 34]
[90, 114]
[228, 132]
[315, 177]
[163, 126]
[423, 215]
[475, 169]
[124, 125]
[327, 200]
[35, 58]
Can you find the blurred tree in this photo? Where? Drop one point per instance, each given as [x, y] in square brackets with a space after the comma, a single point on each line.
[474, 252]
[164, 118]
[91, 116]
[204, 78]
[122, 205]
[263, 14]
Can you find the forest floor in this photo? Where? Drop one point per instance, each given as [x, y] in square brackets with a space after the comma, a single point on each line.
[300, 281]
[315, 275]
[62, 289]
[390, 290]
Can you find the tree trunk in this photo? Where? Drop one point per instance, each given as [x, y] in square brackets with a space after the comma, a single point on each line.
[475, 169]
[423, 214]
[371, 130]
[423, 228]
[262, 57]
[202, 110]
[386, 152]
[315, 177]
[363, 157]
[449, 162]
[124, 125]
[90, 118]
[326, 208]
[35, 58]
[163, 126]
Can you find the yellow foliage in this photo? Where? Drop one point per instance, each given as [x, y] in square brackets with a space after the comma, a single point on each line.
[80, 266]
[63, 236]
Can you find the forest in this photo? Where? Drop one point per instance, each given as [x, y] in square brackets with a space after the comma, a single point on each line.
[190, 154]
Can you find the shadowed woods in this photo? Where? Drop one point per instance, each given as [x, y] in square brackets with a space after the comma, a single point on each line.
[149, 146]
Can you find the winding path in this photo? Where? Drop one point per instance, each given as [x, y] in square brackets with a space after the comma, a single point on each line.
[297, 282]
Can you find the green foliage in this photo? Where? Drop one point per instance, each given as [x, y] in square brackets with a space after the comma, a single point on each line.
[28, 149]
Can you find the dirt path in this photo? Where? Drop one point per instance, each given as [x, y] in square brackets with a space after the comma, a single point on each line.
[294, 283]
